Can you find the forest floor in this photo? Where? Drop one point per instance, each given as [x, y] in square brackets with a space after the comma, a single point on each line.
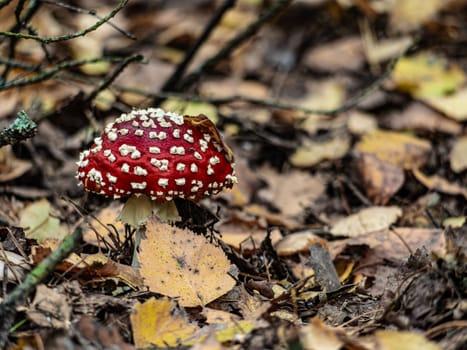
[347, 228]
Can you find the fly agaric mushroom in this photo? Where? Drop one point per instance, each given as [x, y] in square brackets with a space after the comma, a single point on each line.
[154, 156]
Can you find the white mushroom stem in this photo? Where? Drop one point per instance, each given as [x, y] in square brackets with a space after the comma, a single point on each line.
[136, 211]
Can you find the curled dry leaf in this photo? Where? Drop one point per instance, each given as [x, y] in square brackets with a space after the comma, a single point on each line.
[366, 220]
[180, 264]
[458, 156]
[440, 184]
[157, 323]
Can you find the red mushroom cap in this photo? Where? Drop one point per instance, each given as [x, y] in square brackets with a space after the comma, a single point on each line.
[160, 154]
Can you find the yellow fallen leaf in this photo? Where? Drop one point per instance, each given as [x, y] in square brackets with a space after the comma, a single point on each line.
[458, 156]
[156, 324]
[312, 153]
[397, 148]
[453, 105]
[366, 220]
[39, 224]
[425, 75]
[180, 264]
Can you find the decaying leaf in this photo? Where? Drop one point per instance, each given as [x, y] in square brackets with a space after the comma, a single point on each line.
[40, 224]
[180, 264]
[397, 148]
[156, 323]
[440, 184]
[458, 156]
[50, 308]
[366, 220]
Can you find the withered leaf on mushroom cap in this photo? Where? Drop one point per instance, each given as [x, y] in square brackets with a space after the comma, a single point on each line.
[159, 154]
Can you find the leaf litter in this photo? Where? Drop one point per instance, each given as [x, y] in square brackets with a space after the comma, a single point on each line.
[347, 229]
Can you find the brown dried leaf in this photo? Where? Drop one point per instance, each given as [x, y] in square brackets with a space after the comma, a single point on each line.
[183, 265]
[439, 184]
[50, 309]
[400, 149]
[381, 179]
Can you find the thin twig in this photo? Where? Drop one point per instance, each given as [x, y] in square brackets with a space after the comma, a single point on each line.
[91, 13]
[268, 15]
[172, 81]
[47, 74]
[69, 36]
